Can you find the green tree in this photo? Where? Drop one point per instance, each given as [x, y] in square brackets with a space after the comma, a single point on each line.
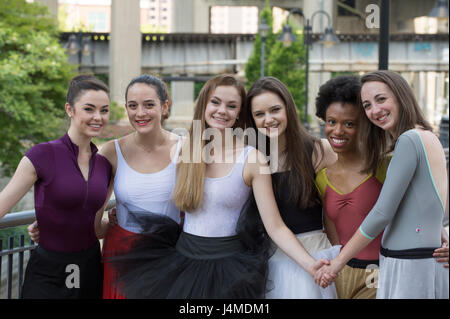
[288, 65]
[34, 74]
[253, 66]
[285, 63]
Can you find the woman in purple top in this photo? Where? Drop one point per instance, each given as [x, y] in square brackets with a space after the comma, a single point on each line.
[70, 188]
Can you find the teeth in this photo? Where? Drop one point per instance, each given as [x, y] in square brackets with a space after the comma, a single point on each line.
[338, 141]
[95, 125]
[382, 118]
[220, 119]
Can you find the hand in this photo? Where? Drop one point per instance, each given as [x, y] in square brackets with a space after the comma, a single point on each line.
[318, 264]
[318, 270]
[33, 231]
[441, 254]
[328, 273]
[112, 217]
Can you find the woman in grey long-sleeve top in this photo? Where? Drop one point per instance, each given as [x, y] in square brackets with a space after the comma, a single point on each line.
[411, 204]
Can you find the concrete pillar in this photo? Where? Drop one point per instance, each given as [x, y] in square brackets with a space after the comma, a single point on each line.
[124, 46]
[320, 20]
[182, 109]
[190, 16]
[52, 6]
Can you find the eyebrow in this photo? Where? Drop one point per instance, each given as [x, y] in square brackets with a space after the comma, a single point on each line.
[218, 98]
[94, 106]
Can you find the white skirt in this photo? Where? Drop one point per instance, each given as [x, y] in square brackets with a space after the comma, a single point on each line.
[412, 279]
[287, 280]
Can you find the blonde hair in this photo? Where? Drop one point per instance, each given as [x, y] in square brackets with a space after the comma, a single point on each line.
[188, 192]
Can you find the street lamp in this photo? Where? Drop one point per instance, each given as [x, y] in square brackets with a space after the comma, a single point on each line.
[328, 39]
[80, 45]
[263, 32]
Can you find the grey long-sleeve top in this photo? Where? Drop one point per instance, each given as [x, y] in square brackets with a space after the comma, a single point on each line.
[409, 206]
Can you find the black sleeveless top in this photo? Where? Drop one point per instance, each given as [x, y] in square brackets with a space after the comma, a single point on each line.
[298, 220]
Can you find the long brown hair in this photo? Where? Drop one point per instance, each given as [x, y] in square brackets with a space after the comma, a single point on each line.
[188, 192]
[378, 142]
[300, 145]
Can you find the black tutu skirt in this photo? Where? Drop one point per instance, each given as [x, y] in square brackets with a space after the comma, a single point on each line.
[169, 263]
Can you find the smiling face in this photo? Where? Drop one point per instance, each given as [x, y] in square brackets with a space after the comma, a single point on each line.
[341, 127]
[380, 105]
[90, 112]
[223, 107]
[269, 114]
[144, 108]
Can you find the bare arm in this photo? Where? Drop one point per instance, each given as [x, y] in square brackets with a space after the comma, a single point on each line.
[102, 224]
[328, 158]
[276, 228]
[21, 182]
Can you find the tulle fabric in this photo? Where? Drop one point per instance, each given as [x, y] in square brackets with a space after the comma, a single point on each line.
[290, 281]
[169, 263]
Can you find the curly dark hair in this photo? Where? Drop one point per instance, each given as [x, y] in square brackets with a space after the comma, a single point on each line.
[344, 89]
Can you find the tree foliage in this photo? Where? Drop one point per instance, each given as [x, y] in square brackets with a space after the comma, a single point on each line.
[34, 74]
[285, 63]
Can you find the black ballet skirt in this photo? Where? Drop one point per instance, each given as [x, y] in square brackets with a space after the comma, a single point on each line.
[169, 263]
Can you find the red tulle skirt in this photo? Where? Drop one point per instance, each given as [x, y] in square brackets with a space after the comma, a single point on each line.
[118, 241]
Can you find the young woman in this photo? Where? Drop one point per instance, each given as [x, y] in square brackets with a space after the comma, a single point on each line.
[70, 188]
[273, 112]
[214, 182]
[144, 172]
[350, 186]
[411, 204]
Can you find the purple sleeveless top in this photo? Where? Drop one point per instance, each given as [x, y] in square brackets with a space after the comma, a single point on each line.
[65, 203]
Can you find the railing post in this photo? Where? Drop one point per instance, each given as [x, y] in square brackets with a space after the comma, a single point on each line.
[20, 274]
[10, 268]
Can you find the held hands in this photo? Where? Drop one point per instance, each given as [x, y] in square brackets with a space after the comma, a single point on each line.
[315, 269]
[33, 231]
[327, 273]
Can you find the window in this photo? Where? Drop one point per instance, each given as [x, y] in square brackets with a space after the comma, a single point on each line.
[97, 21]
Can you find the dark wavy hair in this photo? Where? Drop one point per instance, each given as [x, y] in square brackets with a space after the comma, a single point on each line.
[300, 145]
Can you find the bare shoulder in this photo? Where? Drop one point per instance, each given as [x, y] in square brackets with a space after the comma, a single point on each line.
[255, 165]
[326, 159]
[256, 157]
[108, 149]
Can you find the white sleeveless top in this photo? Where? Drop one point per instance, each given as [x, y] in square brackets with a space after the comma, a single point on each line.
[144, 192]
[223, 199]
